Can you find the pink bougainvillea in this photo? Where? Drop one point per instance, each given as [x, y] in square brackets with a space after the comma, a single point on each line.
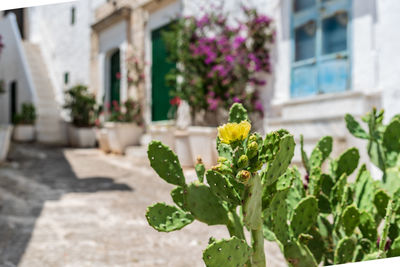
[220, 63]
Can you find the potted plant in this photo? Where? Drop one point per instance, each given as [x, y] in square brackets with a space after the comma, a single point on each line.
[24, 124]
[81, 105]
[124, 125]
[218, 64]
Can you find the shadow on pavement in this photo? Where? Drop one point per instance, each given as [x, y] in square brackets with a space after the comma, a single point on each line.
[39, 174]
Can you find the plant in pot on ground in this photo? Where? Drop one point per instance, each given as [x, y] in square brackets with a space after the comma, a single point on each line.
[24, 123]
[322, 220]
[81, 104]
[124, 125]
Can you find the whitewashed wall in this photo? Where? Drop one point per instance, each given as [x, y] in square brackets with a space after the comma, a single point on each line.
[65, 47]
[13, 68]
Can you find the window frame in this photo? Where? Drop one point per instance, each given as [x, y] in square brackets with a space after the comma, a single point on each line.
[318, 13]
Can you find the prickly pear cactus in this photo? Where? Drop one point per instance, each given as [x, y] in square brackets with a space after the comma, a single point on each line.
[322, 219]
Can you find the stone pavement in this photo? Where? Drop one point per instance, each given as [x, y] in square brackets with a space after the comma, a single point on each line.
[74, 207]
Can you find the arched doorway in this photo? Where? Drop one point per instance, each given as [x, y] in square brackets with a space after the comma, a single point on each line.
[115, 77]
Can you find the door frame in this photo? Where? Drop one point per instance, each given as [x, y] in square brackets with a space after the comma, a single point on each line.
[157, 19]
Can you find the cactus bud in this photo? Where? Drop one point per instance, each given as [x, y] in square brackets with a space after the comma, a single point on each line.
[222, 159]
[252, 149]
[243, 176]
[243, 161]
[200, 169]
[253, 138]
[222, 168]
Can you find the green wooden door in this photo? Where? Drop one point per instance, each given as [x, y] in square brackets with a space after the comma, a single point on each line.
[115, 77]
[160, 67]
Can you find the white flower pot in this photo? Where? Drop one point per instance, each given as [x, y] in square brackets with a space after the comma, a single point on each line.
[102, 139]
[81, 136]
[122, 134]
[202, 142]
[163, 133]
[182, 148]
[24, 133]
[5, 136]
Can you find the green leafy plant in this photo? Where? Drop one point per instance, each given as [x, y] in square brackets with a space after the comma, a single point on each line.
[322, 220]
[27, 115]
[81, 105]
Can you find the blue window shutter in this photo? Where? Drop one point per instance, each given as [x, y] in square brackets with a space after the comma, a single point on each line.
[320, 36]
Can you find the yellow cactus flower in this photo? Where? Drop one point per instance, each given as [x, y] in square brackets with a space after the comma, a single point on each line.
[232, 132]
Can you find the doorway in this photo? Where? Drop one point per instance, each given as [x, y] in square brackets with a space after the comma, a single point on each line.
[13, 100]
[160, 92]
[115, 77]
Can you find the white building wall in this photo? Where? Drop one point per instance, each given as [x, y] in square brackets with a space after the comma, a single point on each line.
[65, 46]
[388, 41]
[13, 67]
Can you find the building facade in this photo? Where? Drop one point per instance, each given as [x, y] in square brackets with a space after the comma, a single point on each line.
[331, 57]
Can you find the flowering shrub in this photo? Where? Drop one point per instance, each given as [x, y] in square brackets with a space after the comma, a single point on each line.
[218, 63]
[130, 111]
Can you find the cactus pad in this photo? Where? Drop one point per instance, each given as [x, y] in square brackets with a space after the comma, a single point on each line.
[368, 226]
[276, 216]
[350, 219]
[165, 163]
[347, 162]
[204, 205]
[395, 248]
[281, 161]
[391, 136]
[381, 199]
[228, 253]
[304, 216]
[324, 205]
[237, 113]
[364, 189]
[222, 188]
[345, 250]
[316, 158]
[325, 146]
[355, 128]
[177, 197]
[165, 218]
[298, 255]
[252, 204]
